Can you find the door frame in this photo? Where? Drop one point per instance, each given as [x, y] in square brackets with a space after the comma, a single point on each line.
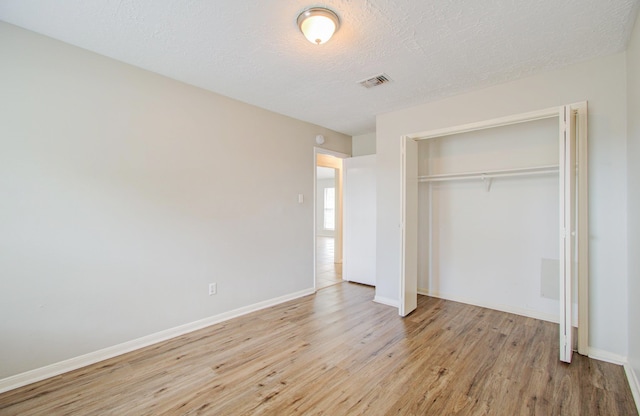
[339, 226]
[408, 204]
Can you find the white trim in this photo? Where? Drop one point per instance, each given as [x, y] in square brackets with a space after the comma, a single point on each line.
[632, 378]
[582, 238]
[487, 124]
[324, 151]
[386, 301]
[403, 227]
[314, 201]
[607, 356]
[75, 363]
[490, 305]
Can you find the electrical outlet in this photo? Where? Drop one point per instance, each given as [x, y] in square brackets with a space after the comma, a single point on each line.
[213, 288]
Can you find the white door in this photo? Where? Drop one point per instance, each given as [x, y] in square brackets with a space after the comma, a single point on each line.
[359, 234]
[568, 229]
[409, 227]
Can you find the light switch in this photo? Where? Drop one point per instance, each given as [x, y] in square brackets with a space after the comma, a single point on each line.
[300, 198]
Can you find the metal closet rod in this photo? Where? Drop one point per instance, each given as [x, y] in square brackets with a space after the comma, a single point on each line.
[488, 174]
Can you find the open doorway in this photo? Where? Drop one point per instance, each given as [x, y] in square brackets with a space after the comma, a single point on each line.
[328, 219]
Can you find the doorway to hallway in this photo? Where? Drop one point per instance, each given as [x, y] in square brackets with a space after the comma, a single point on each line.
[328, 217]
[328, 272]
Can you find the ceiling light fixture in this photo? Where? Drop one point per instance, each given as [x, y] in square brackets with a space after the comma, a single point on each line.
[318, 24]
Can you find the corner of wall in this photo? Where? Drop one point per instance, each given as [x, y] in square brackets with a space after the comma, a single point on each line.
[632, 368]
[363, 144]
[634, 384]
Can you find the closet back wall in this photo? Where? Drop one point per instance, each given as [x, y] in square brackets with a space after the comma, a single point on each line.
[495, 247]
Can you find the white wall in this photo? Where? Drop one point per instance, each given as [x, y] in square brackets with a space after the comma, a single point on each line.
[497, 248]
[320, 187]
[124, 193]
[602, 83]
[364, 144]
[633, 187]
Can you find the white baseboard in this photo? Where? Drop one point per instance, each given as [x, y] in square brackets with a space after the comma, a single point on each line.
[75, 363]
[632, 377]
[607, 356]
[499, 307]
[386, 301]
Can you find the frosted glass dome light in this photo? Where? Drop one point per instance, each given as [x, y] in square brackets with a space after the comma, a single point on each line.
[318, 24]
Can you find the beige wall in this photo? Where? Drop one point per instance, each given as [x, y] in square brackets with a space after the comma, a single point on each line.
[124, 193]
[364, 144]
[603, 83]
[633, 187]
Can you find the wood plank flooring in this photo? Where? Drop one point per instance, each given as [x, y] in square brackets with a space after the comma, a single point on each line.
[339, 353]
[327, 272]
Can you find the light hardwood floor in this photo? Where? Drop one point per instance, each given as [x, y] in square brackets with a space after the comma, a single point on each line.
[339, 353]
[327, 271]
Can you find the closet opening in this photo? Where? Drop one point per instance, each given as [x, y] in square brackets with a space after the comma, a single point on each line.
[494, 214]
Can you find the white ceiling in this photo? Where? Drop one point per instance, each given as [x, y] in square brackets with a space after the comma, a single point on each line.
[252, 50]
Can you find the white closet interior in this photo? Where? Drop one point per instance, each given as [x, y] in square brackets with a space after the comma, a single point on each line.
[492, 244]
[488, 218]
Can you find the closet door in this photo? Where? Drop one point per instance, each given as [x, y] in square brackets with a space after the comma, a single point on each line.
[568, 229]
[409, 226]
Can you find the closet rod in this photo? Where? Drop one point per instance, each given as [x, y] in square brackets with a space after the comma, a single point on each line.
[488, 174]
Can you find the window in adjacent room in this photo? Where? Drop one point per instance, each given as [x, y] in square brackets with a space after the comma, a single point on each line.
[329, 208]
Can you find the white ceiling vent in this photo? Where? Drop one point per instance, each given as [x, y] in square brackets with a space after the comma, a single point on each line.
[375, 81]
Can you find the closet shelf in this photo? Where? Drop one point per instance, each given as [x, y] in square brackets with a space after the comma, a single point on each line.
[488, 174]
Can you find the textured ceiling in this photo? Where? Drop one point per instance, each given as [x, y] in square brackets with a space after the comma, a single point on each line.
[252, 50]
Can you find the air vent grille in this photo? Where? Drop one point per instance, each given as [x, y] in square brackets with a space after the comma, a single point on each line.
[375, 81]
